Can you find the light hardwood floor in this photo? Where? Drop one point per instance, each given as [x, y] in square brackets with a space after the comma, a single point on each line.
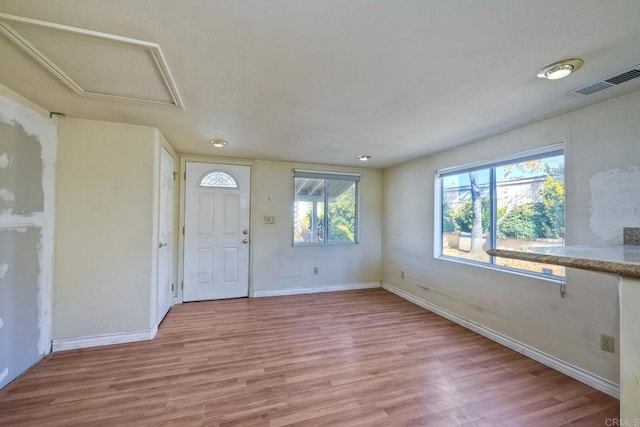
[340, 359]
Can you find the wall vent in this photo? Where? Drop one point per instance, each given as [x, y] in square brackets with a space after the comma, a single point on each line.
[607, 82]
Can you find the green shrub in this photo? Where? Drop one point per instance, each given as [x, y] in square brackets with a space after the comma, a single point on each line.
[448, 219]
[553, 207]
[463, 216]
[522, 222]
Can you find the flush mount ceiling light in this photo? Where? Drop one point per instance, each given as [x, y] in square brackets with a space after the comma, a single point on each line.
[218, 143]
[363, 157]
[560, 69]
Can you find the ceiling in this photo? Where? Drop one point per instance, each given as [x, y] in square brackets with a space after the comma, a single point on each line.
[325, 80]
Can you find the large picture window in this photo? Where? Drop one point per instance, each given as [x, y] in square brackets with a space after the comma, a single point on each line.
[512, 203]
[325, 208]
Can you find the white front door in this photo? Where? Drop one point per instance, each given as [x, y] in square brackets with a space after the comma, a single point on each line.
[216, 236]
[165, 235]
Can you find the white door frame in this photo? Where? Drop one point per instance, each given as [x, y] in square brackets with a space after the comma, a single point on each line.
[168, 244]
[183, 168]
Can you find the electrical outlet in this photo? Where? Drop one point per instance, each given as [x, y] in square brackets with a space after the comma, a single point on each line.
[607, 343]
[402, 274]
[315, 270]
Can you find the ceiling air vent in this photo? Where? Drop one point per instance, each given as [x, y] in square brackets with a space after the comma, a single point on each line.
[607, 82]
[624, 77]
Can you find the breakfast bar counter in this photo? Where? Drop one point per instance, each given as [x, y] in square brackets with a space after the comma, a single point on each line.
[623, 261]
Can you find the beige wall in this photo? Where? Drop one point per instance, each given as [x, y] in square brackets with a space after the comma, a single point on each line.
[278, 265]
[104, 253]
[601, 141]
[105, 227]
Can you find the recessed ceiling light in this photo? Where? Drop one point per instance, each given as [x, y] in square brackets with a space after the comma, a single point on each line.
[363, 157]
[218, 143]
[560, 69]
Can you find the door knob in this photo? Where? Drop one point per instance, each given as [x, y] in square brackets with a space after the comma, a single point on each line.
[245, 240]
[162, 244]
[245, 231]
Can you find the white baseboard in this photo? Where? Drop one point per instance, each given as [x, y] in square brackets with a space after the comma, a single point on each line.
[314, 289]
[104, 339]
[586, 377]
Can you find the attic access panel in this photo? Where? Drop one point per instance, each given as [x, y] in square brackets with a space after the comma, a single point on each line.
[96, 64]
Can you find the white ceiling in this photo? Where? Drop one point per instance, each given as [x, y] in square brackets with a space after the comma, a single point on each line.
[324, 80]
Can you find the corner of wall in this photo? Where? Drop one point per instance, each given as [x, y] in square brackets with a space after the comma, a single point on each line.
[35, 125]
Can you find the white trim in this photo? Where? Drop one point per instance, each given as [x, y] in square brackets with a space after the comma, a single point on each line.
[324, 172]
[501, 159]
[437, 216]
[104, 339]
[438, 252]
[152, 48]
[575, 372]
[315, 289]
[558, 280]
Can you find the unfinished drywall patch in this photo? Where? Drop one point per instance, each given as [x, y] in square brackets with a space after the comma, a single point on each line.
[19, 306]
[615, 202]
[22, 177]
[7, 195]
[27, 172]
[5, 160]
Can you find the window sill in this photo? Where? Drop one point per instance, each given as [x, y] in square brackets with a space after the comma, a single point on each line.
[522, 273]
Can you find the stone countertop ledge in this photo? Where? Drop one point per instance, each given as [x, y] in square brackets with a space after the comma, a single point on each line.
[623, 260]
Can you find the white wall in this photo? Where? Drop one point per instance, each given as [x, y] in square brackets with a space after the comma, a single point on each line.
[601, 141]
[279, 266]
[104, 257]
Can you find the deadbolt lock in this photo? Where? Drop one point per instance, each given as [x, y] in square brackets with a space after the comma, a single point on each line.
[245, 231]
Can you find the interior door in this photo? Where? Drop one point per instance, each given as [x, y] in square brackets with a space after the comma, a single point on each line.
[216, 242]
[165, 235]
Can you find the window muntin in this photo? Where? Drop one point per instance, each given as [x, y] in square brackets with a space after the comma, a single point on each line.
[325, 208]
[218, 179]
[518, 202]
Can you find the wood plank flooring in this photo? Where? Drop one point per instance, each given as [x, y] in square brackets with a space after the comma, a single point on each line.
[355, 358]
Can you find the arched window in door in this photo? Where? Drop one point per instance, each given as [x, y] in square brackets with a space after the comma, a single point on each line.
[218, 179]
